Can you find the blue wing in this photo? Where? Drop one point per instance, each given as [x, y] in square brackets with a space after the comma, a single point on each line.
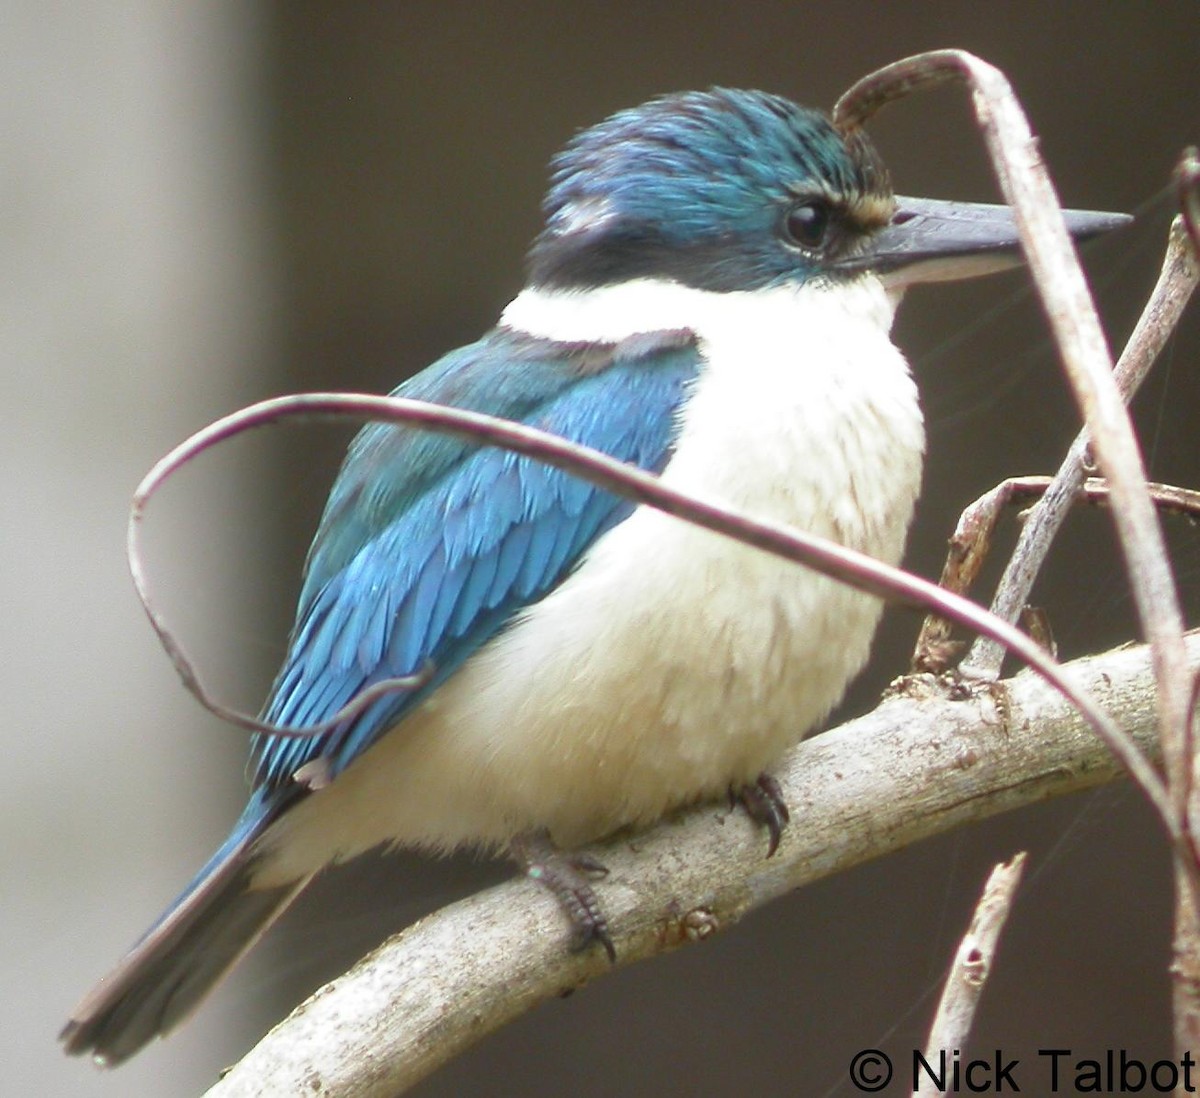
[429, 545]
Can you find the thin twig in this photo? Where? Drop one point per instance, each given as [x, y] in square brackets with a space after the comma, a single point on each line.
[1178, 278]
[1187, 182]
[860, 571]
[972, 966]
[971, 542]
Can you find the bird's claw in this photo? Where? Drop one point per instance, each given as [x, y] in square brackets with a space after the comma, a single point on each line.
[568, 877]
[764, 804]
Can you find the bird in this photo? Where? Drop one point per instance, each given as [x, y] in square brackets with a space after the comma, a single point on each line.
[710, 300]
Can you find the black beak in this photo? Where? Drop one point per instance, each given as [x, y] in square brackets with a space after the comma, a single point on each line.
[930, 240]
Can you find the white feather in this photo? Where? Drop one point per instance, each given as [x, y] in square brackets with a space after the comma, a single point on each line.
[673, 661]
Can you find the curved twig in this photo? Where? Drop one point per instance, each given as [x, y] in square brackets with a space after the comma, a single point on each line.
[829, 558]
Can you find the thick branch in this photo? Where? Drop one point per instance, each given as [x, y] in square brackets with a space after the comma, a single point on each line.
[920, 764]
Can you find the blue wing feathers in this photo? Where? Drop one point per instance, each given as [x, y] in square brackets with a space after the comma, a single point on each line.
[479, 582]
[429, 545]
[373, 638]
[508, 568]
[449, 591]
[410, 639]
[537, 563]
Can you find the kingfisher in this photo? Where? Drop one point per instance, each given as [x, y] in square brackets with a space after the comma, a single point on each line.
[710, 300]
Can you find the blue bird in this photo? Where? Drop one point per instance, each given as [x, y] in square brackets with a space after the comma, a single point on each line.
[710, 299]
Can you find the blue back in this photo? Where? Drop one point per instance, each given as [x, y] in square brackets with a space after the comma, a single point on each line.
[429, 545]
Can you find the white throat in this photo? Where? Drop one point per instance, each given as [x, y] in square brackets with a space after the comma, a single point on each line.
[609, 314]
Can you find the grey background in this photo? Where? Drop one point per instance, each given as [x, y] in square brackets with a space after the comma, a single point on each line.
[208, 204]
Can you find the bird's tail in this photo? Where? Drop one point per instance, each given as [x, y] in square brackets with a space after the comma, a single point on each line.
[199, 938]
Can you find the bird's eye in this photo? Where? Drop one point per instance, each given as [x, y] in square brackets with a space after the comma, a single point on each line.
[807, 225]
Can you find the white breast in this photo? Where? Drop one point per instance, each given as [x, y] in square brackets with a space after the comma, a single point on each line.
[673, 661]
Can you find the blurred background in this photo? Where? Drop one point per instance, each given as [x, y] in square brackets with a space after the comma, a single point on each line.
[204, 205]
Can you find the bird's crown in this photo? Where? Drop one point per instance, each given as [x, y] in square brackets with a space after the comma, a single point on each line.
[720, 189]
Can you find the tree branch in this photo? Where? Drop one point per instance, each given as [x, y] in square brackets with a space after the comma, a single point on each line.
[1171, 293]
[922, 763]
[1054, 264]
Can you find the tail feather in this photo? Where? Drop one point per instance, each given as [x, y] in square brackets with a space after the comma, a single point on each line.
[181, 958]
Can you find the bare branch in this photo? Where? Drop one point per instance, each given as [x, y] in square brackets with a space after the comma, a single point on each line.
[972, 963]
[971, 542]
[1055, 266]
[919, 765]
[1172, 292]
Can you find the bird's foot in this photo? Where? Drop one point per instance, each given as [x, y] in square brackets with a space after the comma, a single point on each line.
[764, 804]
[568, 877]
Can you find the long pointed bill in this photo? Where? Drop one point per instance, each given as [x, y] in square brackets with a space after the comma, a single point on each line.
[930, 240]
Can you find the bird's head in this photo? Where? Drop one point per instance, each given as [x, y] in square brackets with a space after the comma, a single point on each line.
[729, 190]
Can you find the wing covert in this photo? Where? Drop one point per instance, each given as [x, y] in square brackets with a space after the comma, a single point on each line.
[429, 545]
